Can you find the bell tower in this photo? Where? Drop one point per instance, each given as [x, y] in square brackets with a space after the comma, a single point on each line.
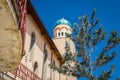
[62, 26]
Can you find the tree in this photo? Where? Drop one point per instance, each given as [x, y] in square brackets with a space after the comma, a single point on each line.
[86, 38]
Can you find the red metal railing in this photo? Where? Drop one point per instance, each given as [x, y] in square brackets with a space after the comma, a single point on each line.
[24, 73]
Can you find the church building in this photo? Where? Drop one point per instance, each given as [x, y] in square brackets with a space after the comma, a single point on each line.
[33, 49]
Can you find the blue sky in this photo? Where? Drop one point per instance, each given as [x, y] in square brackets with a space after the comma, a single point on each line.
[50, 11]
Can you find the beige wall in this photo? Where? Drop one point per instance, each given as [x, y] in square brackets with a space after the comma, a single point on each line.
[37, 50]
[61, 43]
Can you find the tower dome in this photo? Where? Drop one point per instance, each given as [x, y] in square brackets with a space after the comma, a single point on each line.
[63, 21]
[62, 26]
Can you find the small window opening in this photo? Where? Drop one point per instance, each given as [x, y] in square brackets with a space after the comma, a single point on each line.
[59, 34]
[35, 66]
[62, 34]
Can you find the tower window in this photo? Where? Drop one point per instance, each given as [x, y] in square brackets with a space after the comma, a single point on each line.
[65, 33]
[59, 34]
[62, 34]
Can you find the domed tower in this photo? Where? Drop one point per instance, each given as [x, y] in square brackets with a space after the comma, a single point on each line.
[62, 26]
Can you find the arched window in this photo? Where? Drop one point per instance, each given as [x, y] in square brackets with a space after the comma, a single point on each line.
[59, 34]
[44, 72]
[65, 33]
[45, 55]
[32, 40]
[35, 66]
[62, 34]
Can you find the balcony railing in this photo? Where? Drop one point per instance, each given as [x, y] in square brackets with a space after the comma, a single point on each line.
[24, 73]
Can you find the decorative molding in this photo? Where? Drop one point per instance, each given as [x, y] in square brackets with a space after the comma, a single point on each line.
[58, 28]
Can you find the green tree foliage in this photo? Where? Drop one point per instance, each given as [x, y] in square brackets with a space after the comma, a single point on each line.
[86, 38]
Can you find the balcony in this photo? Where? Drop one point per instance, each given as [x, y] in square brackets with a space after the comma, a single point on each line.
[24, 73]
